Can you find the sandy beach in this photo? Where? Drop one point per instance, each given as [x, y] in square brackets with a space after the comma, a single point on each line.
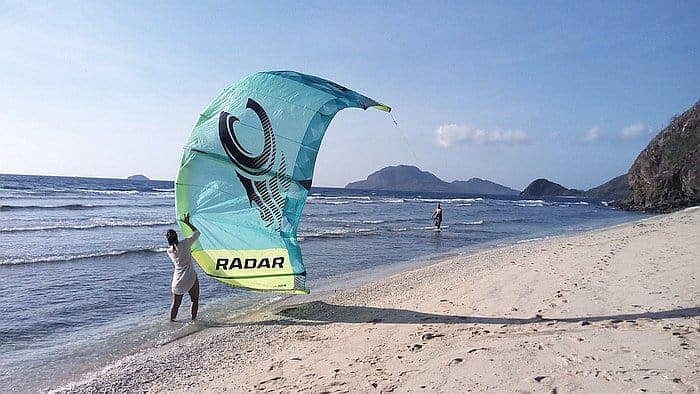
[613, 310]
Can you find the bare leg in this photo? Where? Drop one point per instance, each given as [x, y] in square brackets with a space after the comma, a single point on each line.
[177, 300]
[194, 297]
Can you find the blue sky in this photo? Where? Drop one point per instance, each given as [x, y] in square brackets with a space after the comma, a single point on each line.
[507, 91]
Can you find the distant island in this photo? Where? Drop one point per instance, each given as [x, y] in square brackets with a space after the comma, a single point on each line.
[615, 189]
[544, 187]
[413, 179]
[138, 177]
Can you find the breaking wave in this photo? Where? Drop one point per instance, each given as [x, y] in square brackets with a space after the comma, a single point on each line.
[87, 226]
[79, 256]
[76, 206]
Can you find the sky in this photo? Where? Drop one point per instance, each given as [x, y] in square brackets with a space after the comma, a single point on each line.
[505, 91]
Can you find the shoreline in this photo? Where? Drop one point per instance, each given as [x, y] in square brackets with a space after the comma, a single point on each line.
[407, 316]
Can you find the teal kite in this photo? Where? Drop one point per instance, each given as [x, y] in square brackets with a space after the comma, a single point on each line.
[245, 173]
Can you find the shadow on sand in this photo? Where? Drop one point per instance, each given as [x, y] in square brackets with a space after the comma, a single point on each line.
[319, 313]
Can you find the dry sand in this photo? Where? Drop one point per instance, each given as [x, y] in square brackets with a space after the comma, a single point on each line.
[613, 310]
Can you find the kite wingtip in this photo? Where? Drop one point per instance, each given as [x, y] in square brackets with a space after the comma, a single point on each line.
[382, 107]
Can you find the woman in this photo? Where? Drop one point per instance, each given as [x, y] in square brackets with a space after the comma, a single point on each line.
[184, 277]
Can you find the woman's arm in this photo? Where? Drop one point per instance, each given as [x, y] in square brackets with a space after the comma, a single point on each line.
[189, 224]
[195, 231]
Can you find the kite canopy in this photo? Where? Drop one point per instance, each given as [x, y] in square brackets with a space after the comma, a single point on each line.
[246, 171]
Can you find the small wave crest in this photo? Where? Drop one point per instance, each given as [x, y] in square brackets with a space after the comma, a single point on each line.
[79, 256]
[428, 228]
[87, 226]
[393, 200]
[317, 196]
[101, 191]
[335, 233]
[531, 203]
[450, 200]
[522, 241]
[75, 206]
[38, 207]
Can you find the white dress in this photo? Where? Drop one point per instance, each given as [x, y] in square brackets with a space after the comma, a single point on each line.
[184, 275]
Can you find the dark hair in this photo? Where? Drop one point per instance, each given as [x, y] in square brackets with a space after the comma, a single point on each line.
[171, 236]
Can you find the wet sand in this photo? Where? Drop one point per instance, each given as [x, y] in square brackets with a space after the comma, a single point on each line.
[603, 311]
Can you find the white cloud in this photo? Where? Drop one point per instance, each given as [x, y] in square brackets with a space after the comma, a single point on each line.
[451, 134]
[634, 130]
[594, 133]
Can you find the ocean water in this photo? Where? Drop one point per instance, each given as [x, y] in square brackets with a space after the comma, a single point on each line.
[85, 281]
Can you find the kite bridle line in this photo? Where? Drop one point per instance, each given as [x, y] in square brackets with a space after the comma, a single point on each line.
[403, 137]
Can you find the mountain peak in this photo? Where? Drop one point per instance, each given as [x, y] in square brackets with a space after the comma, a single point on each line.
[404, 177]
[544, 187]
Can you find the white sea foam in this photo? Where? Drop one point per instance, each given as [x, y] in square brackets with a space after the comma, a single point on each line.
[449, 200]
[333, 232]
[87, 226]
[320, 197]
[522, 241]
[393, 200]
[349, 221]
[530, 205]
[428, 227]
[77, 256]
[108, 191]
[474, 223]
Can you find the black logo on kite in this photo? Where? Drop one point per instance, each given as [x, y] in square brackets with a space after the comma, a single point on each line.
[263, 175]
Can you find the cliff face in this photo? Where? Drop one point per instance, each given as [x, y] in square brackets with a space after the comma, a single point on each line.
[543, 187]
[666, 174]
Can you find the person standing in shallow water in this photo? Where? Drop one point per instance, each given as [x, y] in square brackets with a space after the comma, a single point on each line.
[437, 215]
[184, 276]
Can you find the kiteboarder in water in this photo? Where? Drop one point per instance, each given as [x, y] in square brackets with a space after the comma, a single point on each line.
[184, 276]
[437, 215]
